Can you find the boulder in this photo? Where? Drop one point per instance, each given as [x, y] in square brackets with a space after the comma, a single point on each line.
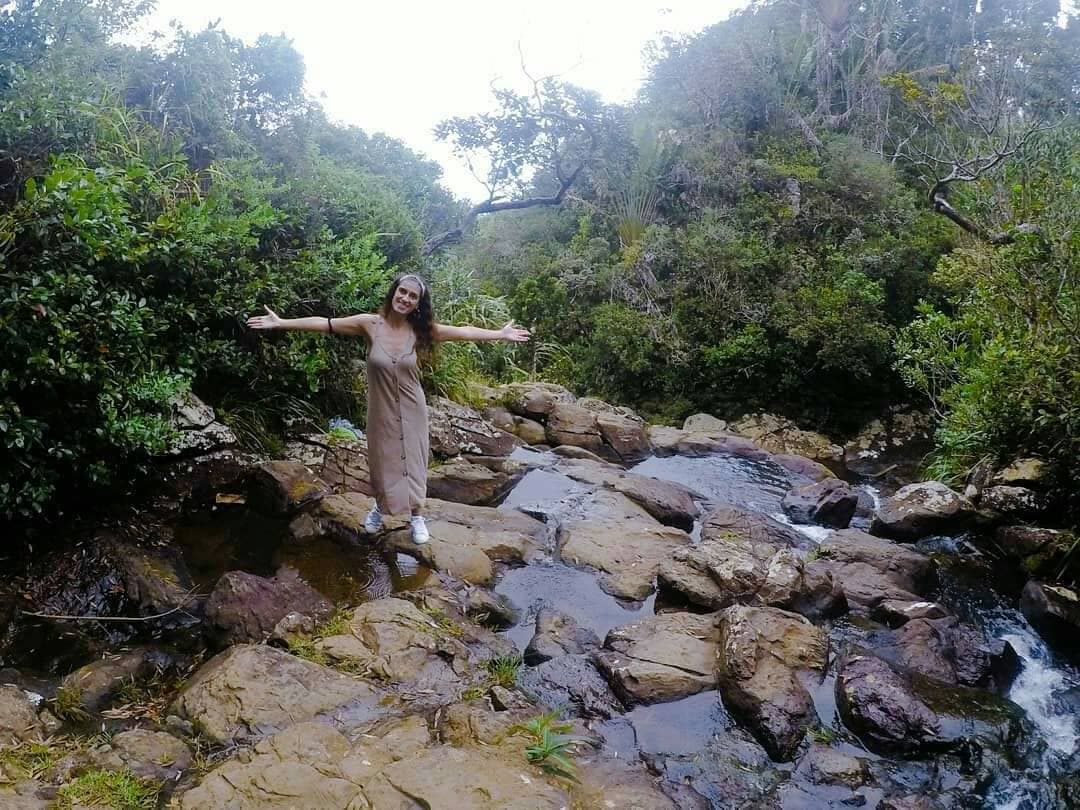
[680, 575]
[1053, 610]
[1041, 550]
[244, 607]
[147, 754]
[284, 488]
[872, 569]
[466, 540]
[1011, 502]
[196, 429]
[529, 431]
[396, 642]
[456, 429]
[569, 423]
[95, 683]
[490, 609]
[1024, 472]
[534, 400]
[345, 466]
[792, 583]
[805, 467]
[661, 658]
[761, 652]
[557, 634]
[779, 435]
[622, 540]
[462, 481]
[731, 522]
[895, 612]
[876, 703]
[949, 651]
[309, 765]
[18, 717]
[830, 502]
[250, 691]
[922, 509]
[670, 503]
[664, 439]
[571, 682]
[704, 423]
[825, 765]
[626, 439]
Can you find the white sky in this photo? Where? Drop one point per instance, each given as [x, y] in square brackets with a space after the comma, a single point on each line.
[401, 67]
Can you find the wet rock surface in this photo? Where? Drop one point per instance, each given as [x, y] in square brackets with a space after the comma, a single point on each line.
[244, 607]
[557, 634]
[918, 510]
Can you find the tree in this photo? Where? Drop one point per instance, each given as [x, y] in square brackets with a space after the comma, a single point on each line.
[530, 151]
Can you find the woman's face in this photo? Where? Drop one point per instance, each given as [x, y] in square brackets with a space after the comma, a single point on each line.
[406, 297]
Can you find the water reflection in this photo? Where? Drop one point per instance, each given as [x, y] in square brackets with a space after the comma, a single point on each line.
[757, 485]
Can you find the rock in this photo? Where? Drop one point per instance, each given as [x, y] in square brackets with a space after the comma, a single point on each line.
[624, 433]
[947, 650]
[490, 609]
[457, 429]
[197, 430]
[830, 502]
[529, 431]
[665, 440]
[147, 754]
[895, 613]
[244, 607]
[918, 510]
[805, 467]
[27, 795]
[876, 704]
[571, 682]
[249, 691]
[704, 423]
[824, 765]
[284, 488]
[1041, 550]
[534, 400]
[760, 652]
[461, 481]
[345, 466]
[292, 627]
[569, 423]
[661, 658]
[1053, 610]
[629, 551]
[778, 435]
[606, 783]
[465, 540]
[156, 581]
[500, 417]
[1024, 472]
[94, 684]
[396, 642]
[872, 569]
[557, 634]
[693, 584]
[476, 778]
[805, 588]
[731, 522]
[1011, 502]
[579, 453]
[309, 765]
[18, 717]
[670, 503]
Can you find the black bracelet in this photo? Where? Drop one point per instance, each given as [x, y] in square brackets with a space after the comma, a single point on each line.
[330, 326]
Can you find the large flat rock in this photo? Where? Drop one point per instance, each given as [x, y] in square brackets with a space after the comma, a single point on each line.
[251, 691]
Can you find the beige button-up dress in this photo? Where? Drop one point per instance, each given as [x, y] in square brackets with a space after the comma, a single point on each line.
[397, 428]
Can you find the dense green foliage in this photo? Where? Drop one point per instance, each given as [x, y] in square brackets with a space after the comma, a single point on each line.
[761, 230]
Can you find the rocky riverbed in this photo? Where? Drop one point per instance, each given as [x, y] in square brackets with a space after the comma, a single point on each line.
[609, 615]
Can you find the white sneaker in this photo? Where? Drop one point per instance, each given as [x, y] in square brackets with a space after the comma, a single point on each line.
[373, 521]
[419, 530]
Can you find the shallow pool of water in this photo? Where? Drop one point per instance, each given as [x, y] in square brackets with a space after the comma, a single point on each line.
[757, 485]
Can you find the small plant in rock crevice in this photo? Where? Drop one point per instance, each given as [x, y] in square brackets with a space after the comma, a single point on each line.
[503, 670]
[67, 704]
[550, 747]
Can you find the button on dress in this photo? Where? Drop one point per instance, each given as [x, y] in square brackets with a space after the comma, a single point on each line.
[397, 428]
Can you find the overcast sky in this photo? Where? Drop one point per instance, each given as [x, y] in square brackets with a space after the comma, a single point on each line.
[401, 66]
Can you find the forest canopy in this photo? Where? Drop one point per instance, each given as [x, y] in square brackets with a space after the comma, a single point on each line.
[821, 209]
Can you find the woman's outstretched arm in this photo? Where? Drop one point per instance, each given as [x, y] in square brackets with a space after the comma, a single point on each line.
[352, 325]
[510, 332]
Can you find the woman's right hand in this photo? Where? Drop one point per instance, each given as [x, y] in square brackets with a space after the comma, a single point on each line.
[268, 321]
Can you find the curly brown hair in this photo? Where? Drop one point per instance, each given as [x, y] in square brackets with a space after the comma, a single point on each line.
[421, 319]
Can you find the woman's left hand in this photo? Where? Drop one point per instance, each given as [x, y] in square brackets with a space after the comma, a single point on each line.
[514, 333]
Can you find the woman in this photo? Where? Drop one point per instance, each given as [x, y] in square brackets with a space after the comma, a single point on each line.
[400, 336]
